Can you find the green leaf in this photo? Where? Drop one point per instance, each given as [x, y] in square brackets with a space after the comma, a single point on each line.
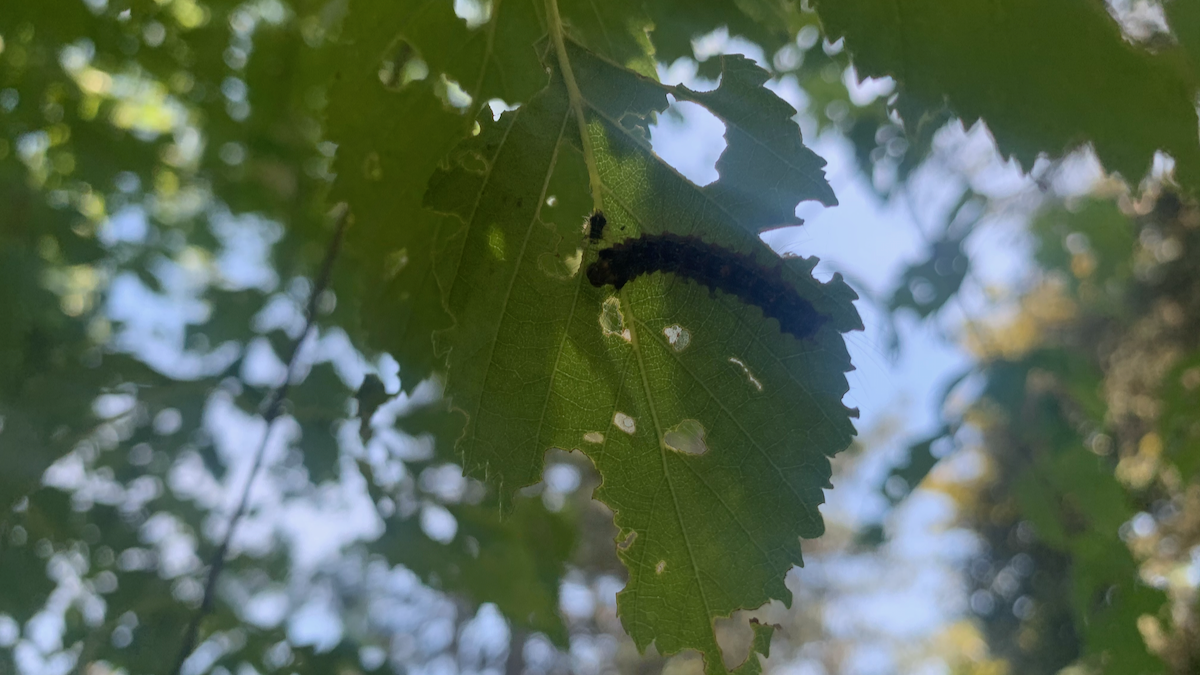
[383, 166]
[926, 287]
[344, 658]
[497, 59]
[370, 396]
[386, 270]
[317, 404]
[1184, 18]
[1007, 383]
[1075, 503]
[1077, 506]
[437, 419]
[761, 644]
[765, 169]
[541, 359]
[1177, 424]
[915, 467]
[767, 23]
[527, 550]
[990, 61]
[1102, 234]
[45, 515]
[145, 605]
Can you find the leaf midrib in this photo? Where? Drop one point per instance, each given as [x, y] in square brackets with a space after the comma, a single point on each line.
[662, 447]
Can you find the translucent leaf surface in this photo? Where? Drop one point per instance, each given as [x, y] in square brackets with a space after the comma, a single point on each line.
[1184, 18]
[989, 60]
[539, 358]
[395, 71]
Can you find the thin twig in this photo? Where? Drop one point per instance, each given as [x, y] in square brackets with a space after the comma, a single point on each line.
[272, 408]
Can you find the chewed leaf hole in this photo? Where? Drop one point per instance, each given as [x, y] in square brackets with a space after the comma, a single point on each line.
[453, 94]
[402, 65]
[690, 139]
[686, 437]
[558, 266]
[735, 636]
[623, 544]
[678, 337]
[660, 567]
[625, 423]
[499, 106]
[746, 370]
[475, 13]
[612, 321]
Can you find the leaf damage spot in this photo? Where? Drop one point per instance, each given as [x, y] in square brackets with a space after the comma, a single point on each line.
[475, 13]
[372, 168]
[612, 321]
[395, 263]
[691, 139]
[558, 267]
[499, 106]
[662, 565]
[625, 423]
[735, 637]
[745, 369]
[401, 65]
[453, 94]
[686, 437]
[495, 240]
[678, 337]
[594, 437]
[624, 543]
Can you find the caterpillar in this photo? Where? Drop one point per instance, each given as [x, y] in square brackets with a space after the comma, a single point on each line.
[737, 274]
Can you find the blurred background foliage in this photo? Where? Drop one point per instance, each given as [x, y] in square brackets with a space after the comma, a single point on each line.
[164, 211]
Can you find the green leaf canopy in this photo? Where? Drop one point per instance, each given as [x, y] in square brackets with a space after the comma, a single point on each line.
[710, 427]
[1046, 76]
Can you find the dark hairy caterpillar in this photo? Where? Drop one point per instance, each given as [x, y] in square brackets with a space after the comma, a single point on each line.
[717, 268]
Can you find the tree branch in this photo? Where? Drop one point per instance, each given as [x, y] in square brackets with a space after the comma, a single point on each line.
[272, 408]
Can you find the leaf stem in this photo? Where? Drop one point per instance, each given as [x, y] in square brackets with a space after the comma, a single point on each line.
[576, 101]
[272, 409]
